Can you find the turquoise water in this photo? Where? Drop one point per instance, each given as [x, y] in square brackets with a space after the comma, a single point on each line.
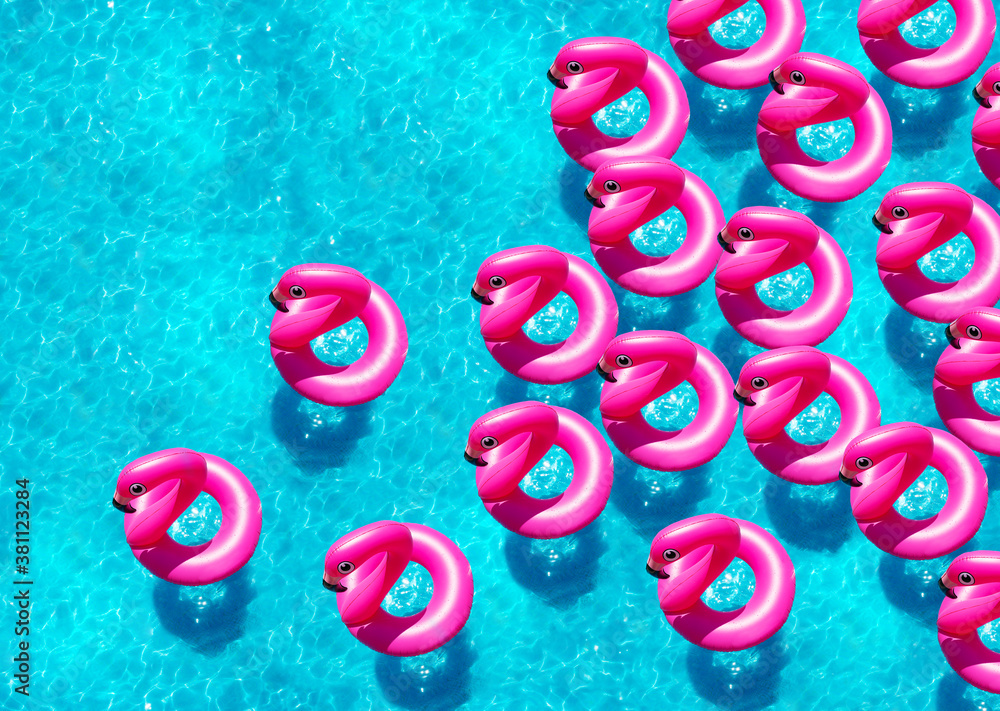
[162, 165]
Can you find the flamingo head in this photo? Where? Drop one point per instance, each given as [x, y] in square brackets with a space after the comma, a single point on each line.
[148, 472]
[814, 70]
[351, 551]
[640, 347]
[979, 324]
[760, 223]
[920, 199]
[972, 568]
[684, 538]
[592, 53]
[502, 429]
[770, 368]
[512, 265]
[989, 86]
[311, 280]
[617, 176]
[884, 445]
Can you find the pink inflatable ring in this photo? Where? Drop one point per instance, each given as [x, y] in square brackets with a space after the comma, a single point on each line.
[917, 218]
[776, 386]
[761, 242]
[640, 367]
[952, 62]
[628, 193]
[811, 89]
[363, 566]
[515, 284]
[593, 72]
[506, 443]
[154, 490]
[974, 356]
[972, 599]
[882, 463]
[689, 555]
[313, 299]
[688, 23]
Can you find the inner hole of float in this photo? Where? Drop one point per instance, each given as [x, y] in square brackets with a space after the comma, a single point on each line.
[788, 290]
[731, 590]
[673, 411]
[949, 262]
[740, 28]
[624, 117]
[550, 476]
[931, 28]
[411, 593]
[990, 635]
[817, 423]
[343, 345]
[925, 497]
[555, 322]
[987, 394]
[661, 236]
[827, 141]
[199, 523]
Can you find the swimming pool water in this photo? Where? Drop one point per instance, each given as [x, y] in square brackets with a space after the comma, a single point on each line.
[162, 165]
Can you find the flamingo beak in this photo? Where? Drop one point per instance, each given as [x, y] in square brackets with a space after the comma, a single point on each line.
[594, 200]
[742, 396]
[277, 303]
[979, 95]
[654, 571]
[335, 586]
[879, 221]
[848, 479]
[725, 244]
[949, 333]
[480, 296]
[774, 78]
[605, 372]
[474, 459]
[123, 506]
[947, 587]
[557, 82]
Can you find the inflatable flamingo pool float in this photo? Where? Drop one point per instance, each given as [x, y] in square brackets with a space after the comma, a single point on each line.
[154, 490]
[917, 218]
[362, 567]
[761, 242]
[986, 125]
[973, 356]
[972, 599]
[506, 443]
[593, 72]
[313, 299]
[640, 367]
[776, 386]
[628, 193]
[932, 68]
[882, 463]
[688, 22]
[810, 89]
[688, 556]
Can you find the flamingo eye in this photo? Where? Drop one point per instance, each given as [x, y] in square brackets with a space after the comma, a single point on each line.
[758, 383]
[612, 186]
[345, 567]
[974, 333]
[670, 555]
[863, 462]
[137, 489]
[745, 234]
[623, 361]
[296, 292]
[497, 282]
[574, 67]
[797, 77]
[966, 578]
[488, 442]
[900, 213]
[996, 87]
